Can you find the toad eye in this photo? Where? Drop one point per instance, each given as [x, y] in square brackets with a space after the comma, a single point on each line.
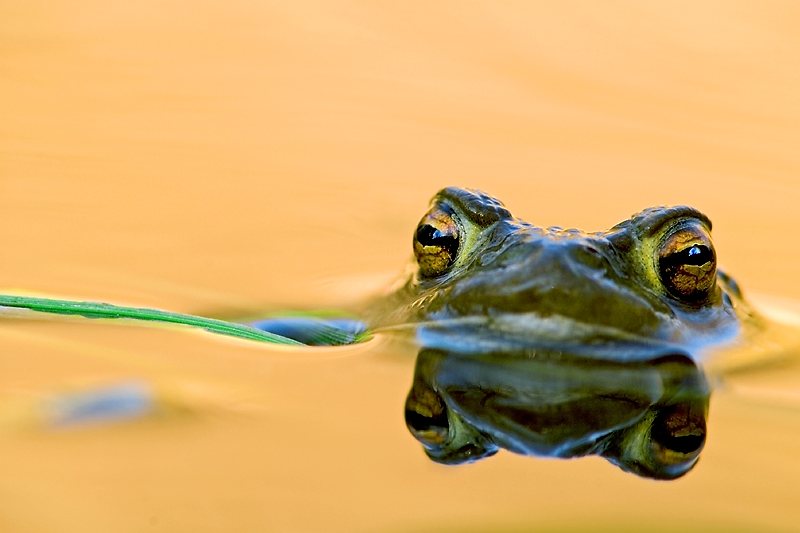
[436, 242]
[678, 434]
[426, 417]
[687, 264]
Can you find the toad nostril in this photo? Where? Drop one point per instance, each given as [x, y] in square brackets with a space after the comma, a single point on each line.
[590, 256]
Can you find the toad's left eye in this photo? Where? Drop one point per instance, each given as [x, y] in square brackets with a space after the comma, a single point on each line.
[436, 242]
[687, 264]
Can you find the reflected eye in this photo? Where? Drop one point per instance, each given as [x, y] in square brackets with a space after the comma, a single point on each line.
[678, 434]
[426, 416]
[687, 264]
[436, 242]
[665, 444]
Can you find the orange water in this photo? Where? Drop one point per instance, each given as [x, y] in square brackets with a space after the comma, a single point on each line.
[229, 158]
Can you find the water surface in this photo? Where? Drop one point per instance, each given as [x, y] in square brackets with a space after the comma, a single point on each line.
[242, 158]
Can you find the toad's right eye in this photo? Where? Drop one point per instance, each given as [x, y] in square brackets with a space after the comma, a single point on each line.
[436, 242]
[687, 264]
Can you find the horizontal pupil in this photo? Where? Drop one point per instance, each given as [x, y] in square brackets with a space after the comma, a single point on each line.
[427, 235]
[421, 422]
[696, 255]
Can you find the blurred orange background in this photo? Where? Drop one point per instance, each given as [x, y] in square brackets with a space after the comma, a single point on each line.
[241, 157]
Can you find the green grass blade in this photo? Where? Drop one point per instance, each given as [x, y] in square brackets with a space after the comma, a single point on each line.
[102, 310]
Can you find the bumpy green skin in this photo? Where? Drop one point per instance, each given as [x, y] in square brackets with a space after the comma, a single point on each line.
[517, 283]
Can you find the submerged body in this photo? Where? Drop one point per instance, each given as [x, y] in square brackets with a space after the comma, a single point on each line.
[563, 343]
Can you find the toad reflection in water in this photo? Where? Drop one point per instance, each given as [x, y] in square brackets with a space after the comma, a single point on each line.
[648, 417]
[563, 343]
